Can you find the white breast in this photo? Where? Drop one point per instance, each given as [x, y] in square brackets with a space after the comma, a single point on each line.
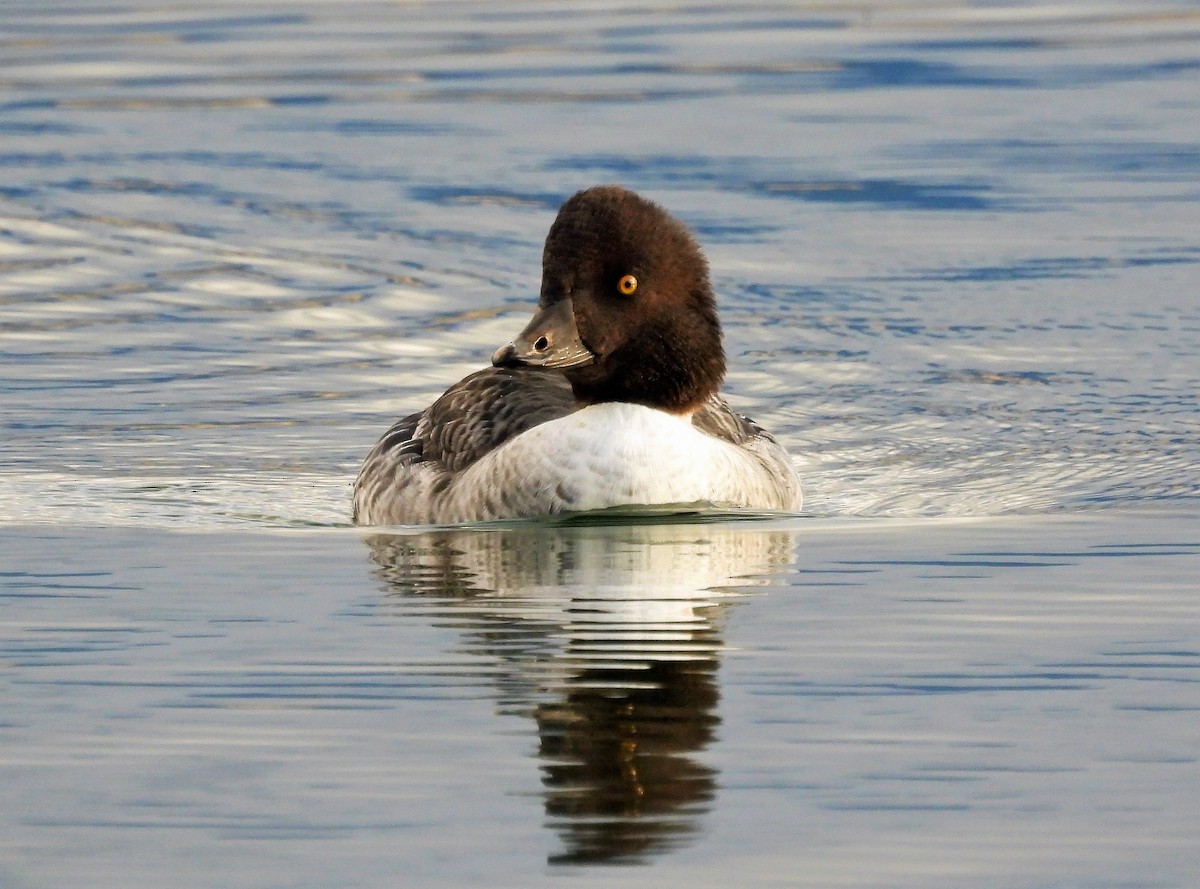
[611, 455]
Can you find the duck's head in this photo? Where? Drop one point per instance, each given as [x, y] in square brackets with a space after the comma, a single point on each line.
[626, 310]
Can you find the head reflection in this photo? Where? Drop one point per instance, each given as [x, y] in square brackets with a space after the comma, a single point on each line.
[608, 636]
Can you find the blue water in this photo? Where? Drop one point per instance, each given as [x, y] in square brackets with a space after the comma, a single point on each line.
[956, 256]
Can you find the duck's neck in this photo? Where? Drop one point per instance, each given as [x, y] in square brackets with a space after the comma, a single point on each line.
[673, 377]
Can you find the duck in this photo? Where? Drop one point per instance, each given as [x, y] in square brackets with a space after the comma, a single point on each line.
[608, 400]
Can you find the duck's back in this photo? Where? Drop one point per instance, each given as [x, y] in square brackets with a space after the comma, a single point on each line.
[468, 458]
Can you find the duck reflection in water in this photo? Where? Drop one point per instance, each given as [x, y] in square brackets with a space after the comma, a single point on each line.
[609, 637]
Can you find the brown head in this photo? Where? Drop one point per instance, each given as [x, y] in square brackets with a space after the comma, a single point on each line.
[626, 310]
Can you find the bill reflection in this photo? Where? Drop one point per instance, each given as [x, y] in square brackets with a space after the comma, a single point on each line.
[609, 637]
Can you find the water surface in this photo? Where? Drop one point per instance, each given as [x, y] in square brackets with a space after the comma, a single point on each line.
[956, 256]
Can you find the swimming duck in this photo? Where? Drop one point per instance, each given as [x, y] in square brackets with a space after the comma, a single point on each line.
[607, 399]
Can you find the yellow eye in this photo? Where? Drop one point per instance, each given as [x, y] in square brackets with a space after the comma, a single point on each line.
[627, 285]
